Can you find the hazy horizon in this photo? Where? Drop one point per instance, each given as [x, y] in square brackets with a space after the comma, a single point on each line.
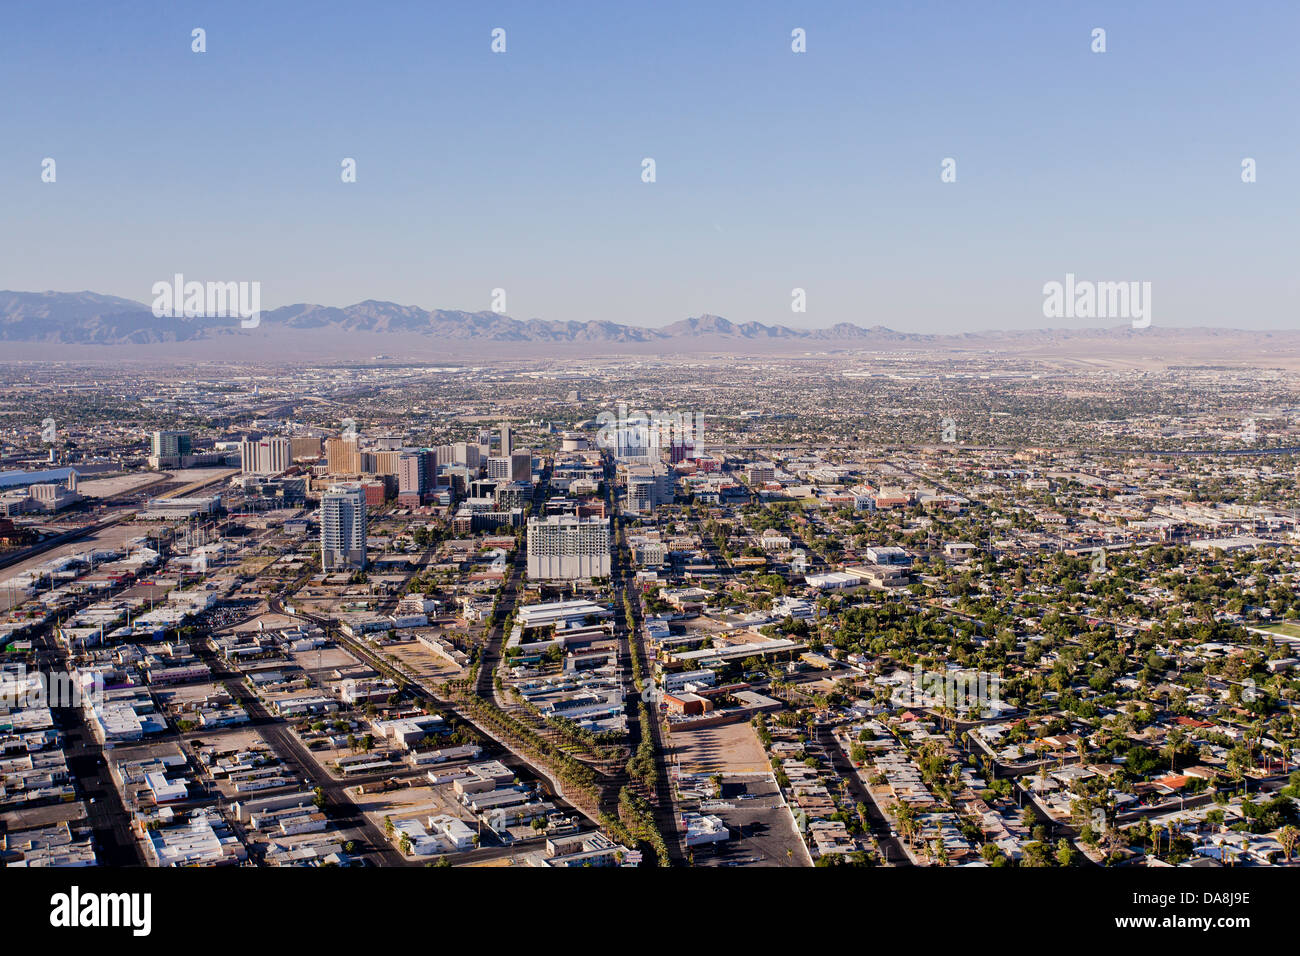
[1046, 324]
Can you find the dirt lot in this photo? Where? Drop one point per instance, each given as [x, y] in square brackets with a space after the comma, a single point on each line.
[407, 803]
[731, 748]
[324, 659]
[177, 696]
[423, 662]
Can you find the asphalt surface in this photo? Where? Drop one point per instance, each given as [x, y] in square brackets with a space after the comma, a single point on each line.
[891, 847]
[338, 806]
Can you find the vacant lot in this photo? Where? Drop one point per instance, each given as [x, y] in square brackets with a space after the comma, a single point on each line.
[731, 748]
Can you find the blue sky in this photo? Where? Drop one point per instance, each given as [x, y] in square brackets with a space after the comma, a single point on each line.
[775, 170]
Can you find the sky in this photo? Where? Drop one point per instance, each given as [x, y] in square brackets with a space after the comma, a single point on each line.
[774, 170]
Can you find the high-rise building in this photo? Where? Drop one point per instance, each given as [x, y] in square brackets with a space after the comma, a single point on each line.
[386, 461]
[648, 487]
[632, 440]
[512, 494]
[412, 474]
[517, 466]
[343, 526]
[269, 456]
[342, 456]
[172, 444]
[506, 445]
[568, 548]
[463, 453]
[521, 465]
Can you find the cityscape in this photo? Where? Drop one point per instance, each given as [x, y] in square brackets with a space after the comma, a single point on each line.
[761, 437]
[388, 614]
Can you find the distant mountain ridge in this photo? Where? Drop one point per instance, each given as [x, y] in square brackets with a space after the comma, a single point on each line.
[88, 318]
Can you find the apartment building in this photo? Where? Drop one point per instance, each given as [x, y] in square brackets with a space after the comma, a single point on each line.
[565, 547]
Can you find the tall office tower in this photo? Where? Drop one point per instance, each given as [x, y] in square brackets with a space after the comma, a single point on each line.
[512, 494]
[343, 526]
[386, 461]
[632, 440]
[172, 444]
[521, 465]
[281, 455]
[675, 437]
[499, 468]
[506, 444]
[342, 456]
[648, 487]
[412, 476]
[568, 548]
[270, 456]
[463, 453]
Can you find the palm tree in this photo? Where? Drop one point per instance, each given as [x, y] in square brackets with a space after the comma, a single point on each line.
[1172, 745]
[906, 818]
[939, 852]
[1289, 837]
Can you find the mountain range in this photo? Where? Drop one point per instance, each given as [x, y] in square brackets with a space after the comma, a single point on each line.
[91, 318]
[88, 319]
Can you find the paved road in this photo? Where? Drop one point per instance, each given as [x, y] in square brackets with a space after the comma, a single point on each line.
[890, 846]
[622, 579]
[490, 656]
[87, 763]
[107, 816]
[343, 813]
[417, 689]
